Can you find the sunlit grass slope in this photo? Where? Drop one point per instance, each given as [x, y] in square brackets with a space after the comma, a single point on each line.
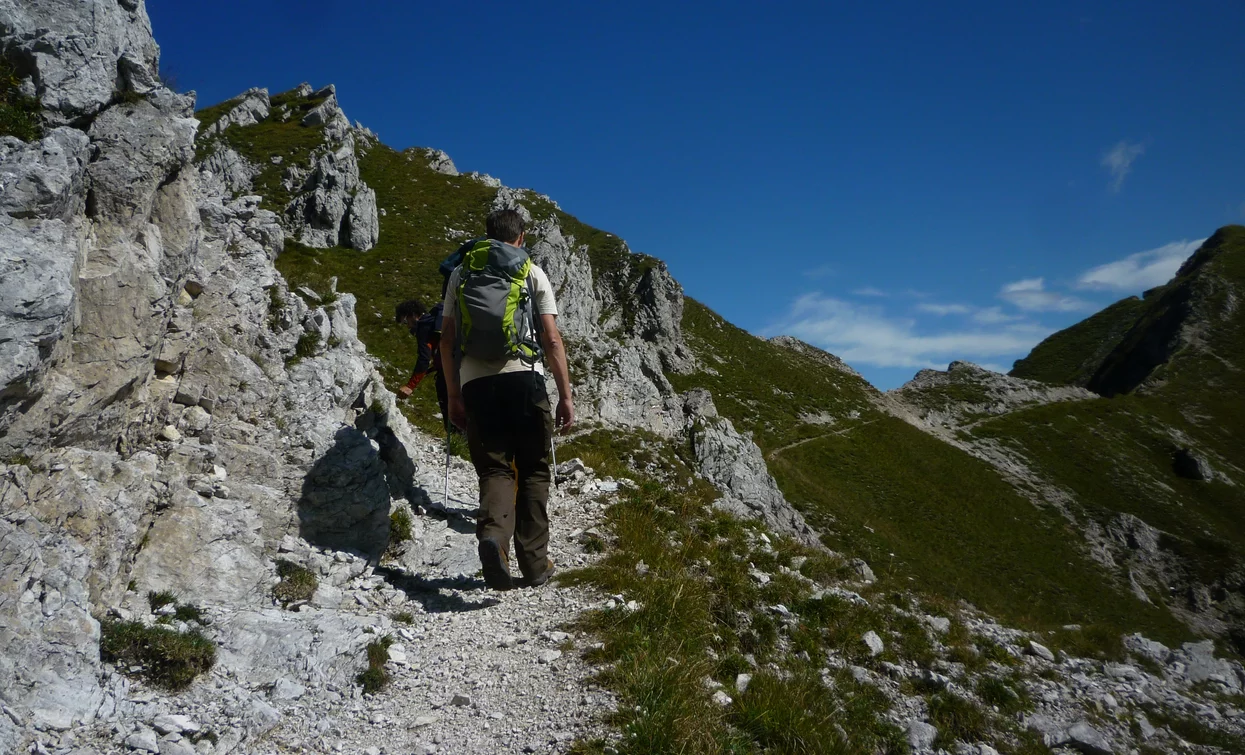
[915, 507]
[1072, 355]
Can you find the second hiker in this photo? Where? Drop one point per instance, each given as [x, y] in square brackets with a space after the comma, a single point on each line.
[499, 316]
[426, 327]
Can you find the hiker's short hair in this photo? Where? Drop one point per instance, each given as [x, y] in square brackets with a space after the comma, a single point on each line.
[504, 225]
[408, 308]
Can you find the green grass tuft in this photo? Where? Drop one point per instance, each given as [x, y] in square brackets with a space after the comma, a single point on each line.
[375, 678]
[1008, 695]
[20, 116]
[957, 718]
[298, 583]
[188, 613]
[162, 656]
[158, 600]
[802, 715]
[306, 347]
[399, 526]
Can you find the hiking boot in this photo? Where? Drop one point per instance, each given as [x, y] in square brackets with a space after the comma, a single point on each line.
[540, 579]
[495, 566]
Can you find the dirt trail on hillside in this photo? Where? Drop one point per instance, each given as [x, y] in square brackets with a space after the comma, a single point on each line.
[774, 454]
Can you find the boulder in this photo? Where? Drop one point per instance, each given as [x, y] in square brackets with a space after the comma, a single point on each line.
[921, 736]
[1192, 466]
[362, 223]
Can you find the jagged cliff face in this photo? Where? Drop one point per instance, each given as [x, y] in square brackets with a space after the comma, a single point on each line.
[169, 410]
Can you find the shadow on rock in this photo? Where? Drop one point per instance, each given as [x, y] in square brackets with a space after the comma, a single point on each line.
[428, 592]
[345, 497]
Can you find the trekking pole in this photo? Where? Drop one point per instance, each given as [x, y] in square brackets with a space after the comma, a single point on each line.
[446, 499]
[553, 451]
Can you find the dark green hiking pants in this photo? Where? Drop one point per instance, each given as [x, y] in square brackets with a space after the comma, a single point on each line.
[508, 432]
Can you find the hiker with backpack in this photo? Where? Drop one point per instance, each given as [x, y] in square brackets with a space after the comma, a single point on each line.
[426, 327]
[499, 319]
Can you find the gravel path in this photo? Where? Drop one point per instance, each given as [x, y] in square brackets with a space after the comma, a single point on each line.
[472, 670]
[481, 671]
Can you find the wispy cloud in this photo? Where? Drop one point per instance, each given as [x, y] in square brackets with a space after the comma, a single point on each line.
[1119, 161]
[1141, 271]
[1031, 295]
[994, 316]
[869, 291]
[866, 335]
[943, 310]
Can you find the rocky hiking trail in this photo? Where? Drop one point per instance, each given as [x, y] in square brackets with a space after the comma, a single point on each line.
[472, 670]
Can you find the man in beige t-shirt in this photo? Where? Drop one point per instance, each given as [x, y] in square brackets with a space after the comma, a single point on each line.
[504, 408]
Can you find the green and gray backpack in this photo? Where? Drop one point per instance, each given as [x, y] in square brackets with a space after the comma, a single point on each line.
[495, 312]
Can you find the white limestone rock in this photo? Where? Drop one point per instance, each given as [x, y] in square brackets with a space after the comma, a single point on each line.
[735, 465]
[251, 108]
[439, 161]
[81, 52]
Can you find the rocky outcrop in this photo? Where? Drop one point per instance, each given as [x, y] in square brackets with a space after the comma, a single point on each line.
[251, 108]
[41, 244]
[171, 411]
[808, 350]
[330, 204]
[438, 161]
[965, 393]
[79, 55]
[735, 465]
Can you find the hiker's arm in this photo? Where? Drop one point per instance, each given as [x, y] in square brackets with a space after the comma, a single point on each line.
[551, 339]
[458, 410]
[421, 366]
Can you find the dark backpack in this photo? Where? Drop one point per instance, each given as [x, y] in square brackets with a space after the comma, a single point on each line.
[451, 263]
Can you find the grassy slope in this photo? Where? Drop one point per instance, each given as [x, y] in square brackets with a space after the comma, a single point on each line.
[1116, 454]
[877, 486]
[1072, 355]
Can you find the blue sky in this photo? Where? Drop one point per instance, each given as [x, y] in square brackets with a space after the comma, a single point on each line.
[903, 184]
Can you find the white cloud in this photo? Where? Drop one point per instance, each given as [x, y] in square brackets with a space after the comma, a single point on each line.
[1119, 161]
[1141, 271]
[870, 291]
[994, 316]
[1031, 295]
[944, 309]
[866, 335]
